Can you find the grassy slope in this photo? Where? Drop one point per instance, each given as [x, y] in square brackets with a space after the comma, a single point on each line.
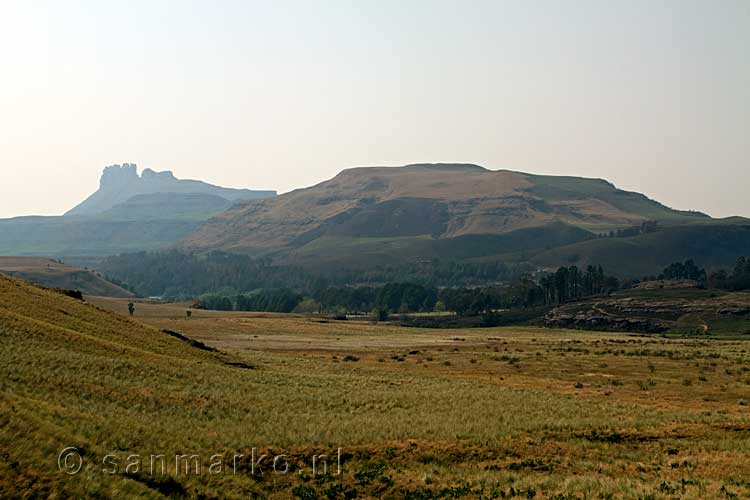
[468, 419]
[577, 188]
[51, 273]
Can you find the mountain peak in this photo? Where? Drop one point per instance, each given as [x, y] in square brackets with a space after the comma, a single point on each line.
[127, 173]
[151, 174]
[119, 183]
[114, 175]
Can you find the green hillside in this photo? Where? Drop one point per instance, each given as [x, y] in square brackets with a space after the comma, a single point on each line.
[711, 246]
[364, 252]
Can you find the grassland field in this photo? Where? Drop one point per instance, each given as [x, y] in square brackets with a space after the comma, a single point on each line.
[419, 414]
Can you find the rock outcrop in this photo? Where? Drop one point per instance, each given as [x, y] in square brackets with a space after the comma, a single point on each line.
[119, 183]
[593, 320]
[645, 314]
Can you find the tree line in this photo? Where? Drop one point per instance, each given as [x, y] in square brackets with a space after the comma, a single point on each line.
[389, 298]
[737, 278]
[566, 284]
[178, 275]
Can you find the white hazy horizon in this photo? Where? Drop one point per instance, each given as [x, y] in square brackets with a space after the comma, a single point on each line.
[651, 96]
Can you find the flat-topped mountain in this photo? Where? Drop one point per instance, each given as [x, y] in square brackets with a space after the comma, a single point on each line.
[436, 200]
[369, 217]
[119, 183]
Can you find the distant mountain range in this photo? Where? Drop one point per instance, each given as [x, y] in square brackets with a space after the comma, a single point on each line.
[381, 216]
[372, 216]
[129, 212]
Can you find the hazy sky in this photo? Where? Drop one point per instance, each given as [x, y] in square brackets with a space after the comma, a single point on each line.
[651, 95]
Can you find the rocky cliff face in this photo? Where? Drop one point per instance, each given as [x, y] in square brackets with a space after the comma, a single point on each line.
[119, 183]
[118, 175]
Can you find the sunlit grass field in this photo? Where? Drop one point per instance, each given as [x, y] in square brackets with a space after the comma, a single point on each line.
[481, 413]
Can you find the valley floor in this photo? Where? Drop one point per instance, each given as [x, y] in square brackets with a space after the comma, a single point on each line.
[486, 412]
[398, 412]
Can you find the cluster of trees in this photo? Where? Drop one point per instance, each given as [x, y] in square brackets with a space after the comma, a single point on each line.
[736, 279]
[278, 300]
[433, 272]
[571, 283]
[225, 281]
[389, 298]
[472, 301]
[177, 275]
[564, 285]
[650, 226]
[683, 271]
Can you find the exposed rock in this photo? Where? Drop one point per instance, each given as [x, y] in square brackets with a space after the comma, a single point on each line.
[118, 175]
[667, 285]
[120, 183]
[150, 174]
[735, 311]
[591, 320]
[644, 314]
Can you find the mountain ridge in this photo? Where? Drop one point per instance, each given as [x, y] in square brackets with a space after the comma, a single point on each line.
[128, 213]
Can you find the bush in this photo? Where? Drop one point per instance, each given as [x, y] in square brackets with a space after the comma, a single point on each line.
[379, 314]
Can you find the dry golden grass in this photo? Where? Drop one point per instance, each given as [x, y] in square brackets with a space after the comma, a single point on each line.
[484, 413]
